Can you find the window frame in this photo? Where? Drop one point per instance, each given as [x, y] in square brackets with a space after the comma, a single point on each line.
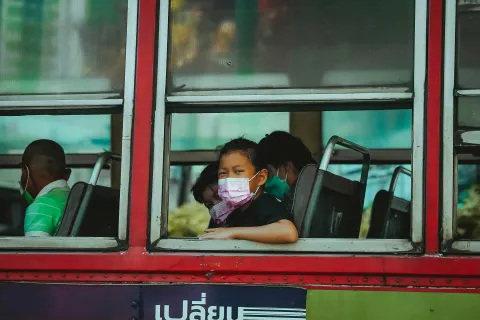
[450, 158]
[88, 103]
[166, 104]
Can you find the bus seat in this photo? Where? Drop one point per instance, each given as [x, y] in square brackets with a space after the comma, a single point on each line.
[70, 212]
[12, 212]
[92, 210]
[99, 216]
[338, 208]
[93, 216]
[391, 216]
[303, 188]
[335, 204]
[378, 215]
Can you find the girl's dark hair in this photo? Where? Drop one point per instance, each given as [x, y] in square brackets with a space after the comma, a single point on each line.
[208, 177]
[246, 147]
[280, 147]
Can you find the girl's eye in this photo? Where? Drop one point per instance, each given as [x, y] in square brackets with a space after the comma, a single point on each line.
[238, 171]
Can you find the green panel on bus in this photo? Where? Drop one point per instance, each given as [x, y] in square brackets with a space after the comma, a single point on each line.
[380, 305]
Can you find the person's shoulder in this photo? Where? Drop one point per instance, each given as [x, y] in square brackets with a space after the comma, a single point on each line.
[266, 200]
[53, 201]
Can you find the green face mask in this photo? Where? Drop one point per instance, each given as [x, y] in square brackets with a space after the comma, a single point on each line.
[277, 187]
[28, 197]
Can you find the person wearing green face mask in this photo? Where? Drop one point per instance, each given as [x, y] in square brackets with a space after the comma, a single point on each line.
[276, 186]
[286, 156]
[43, 184]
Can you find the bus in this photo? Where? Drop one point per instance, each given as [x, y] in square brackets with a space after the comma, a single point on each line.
[140, 94]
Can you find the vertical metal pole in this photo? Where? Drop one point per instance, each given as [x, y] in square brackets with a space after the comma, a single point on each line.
[419, 83]
[448, 114]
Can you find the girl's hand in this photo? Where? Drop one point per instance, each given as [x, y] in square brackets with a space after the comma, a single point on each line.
[219, 234]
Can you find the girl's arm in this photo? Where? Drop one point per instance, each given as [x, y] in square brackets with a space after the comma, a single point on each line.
[283, 231]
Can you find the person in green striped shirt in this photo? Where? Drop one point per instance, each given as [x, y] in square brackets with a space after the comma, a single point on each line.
[44, 185]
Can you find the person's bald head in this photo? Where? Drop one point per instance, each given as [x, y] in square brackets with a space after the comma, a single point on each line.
[43, 162]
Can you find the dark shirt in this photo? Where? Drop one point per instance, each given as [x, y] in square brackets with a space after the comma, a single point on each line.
[264, 210]
[288, 199]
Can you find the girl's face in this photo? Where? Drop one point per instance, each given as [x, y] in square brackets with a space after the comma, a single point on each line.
[210, 196]
[285, 172]
[237, 165]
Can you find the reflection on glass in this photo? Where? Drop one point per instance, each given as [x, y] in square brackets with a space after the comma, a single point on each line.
[468, 209]
[374, 129]
[210, 130]
[468, 46]
[76, 134]
[67, 46]
[282, 44]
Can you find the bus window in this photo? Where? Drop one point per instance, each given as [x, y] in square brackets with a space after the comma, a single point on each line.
[40, 55]
[388, 131]
[461, 123]
[467, 125]
[67, 75]
[290, 44]
[468, 48]
[355, 97]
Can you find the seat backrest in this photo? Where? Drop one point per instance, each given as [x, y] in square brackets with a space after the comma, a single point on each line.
[75, 198]
[91, 211]
[379, 214]
[12, 212]
[303, 189]
[391, 217]
[98, 214]
[338, 209]
[398, 222]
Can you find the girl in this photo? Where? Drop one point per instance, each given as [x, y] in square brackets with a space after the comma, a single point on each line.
[285, 155]
[246, 212]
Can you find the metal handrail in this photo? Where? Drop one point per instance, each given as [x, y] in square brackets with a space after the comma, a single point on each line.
[318, 183]
[396, 174]
[101, 160]
[330, 148]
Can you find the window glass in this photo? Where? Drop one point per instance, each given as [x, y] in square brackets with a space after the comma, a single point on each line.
[209, 130]
[76, 134]
[468, 46]
[468, 113]
[375, 129]
[283, 44]
[68, 46]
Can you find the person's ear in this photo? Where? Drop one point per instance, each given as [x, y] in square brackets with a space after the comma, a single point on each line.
[66, 174]
[262, 177]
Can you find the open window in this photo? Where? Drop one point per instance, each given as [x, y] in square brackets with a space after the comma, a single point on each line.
[461, 128]
[355, 96]
[67, 74]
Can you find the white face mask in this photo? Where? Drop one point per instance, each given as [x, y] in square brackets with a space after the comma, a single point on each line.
[220, 212]
[236, 191]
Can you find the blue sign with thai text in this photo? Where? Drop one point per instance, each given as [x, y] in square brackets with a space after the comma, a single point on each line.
[42, 301]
